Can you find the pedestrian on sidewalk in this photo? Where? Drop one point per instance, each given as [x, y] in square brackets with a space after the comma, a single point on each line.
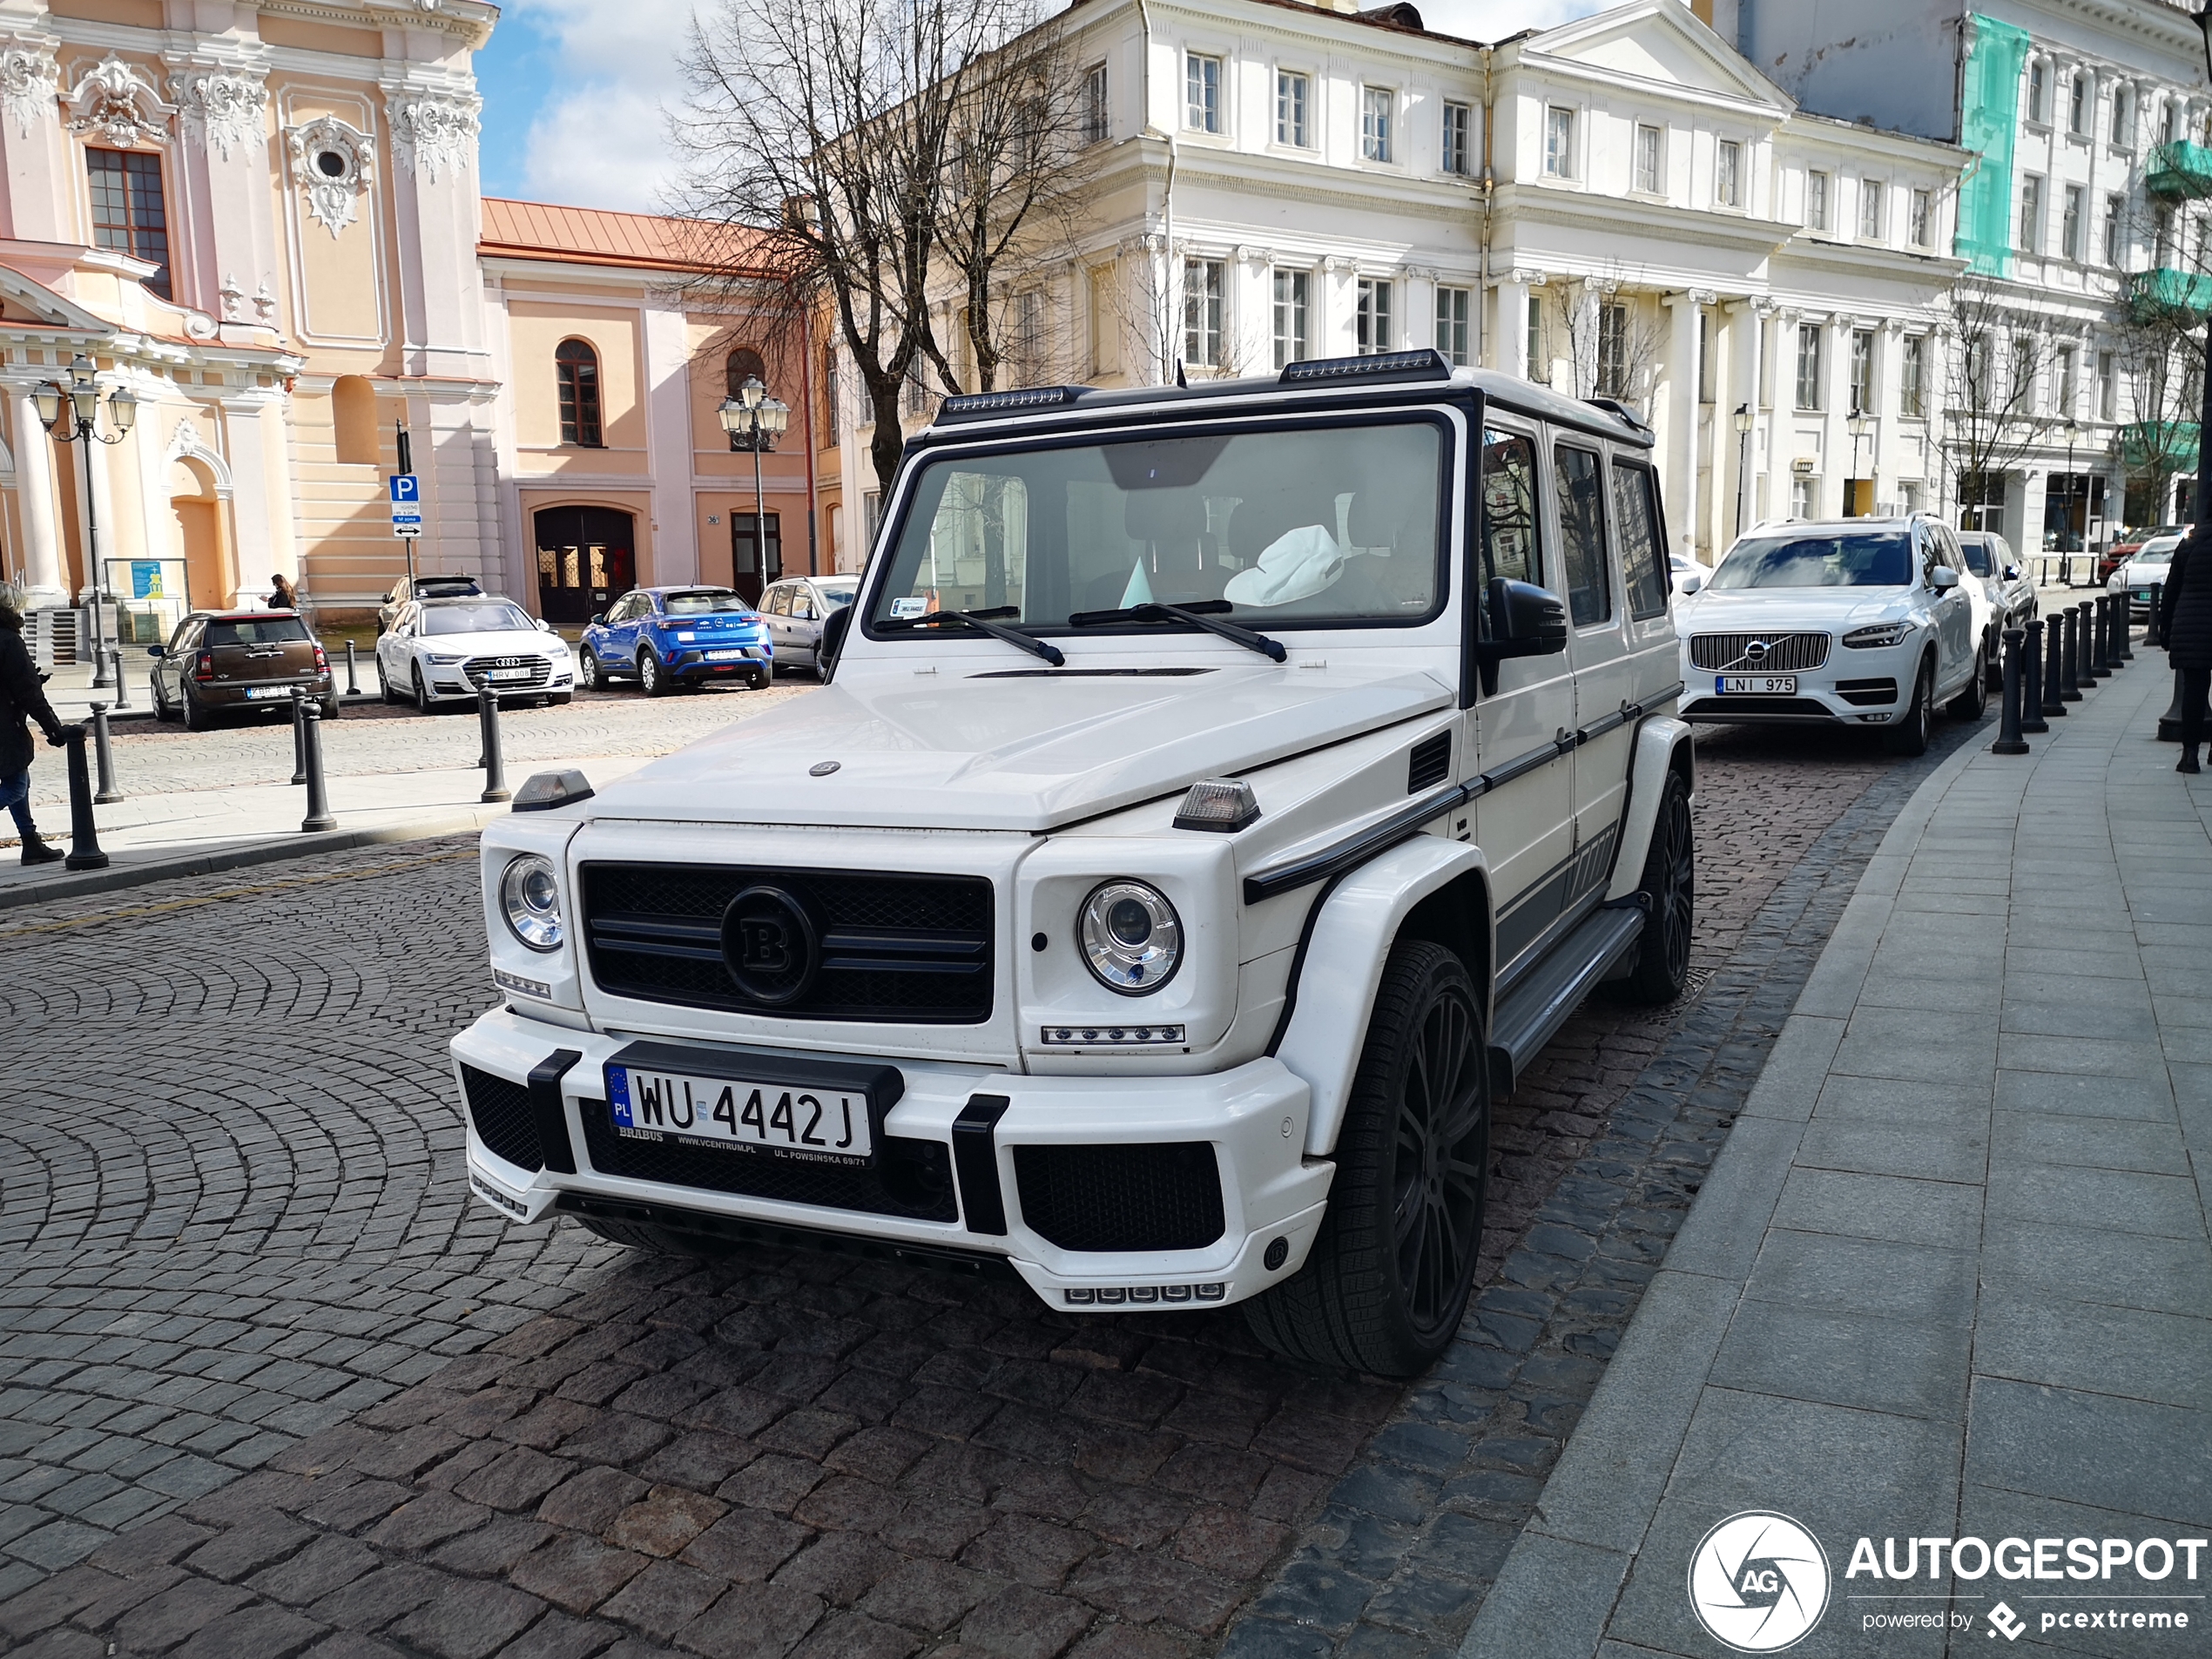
[2185, 627]
[282, 595]
[22, 700]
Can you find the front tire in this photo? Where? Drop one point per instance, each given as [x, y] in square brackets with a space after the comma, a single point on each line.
[588, 673]
[422, 702]
[1973, 702]
[1386, 1283]
[162, 711]
[1669, 893]
[196, 717]
[1909, 738]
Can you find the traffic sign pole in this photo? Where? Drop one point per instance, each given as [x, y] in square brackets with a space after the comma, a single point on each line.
[406, 491]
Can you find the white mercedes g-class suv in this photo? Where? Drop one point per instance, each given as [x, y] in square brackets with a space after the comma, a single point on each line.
[1220, 792]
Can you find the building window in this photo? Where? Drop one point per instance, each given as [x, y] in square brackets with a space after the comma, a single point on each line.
[1293, 293]
[1809, 366]
[1458, 126]
[1539, 368]
[1026, 338]
[1816, 201]
[129, 212]
[1870, 209]
[1909, 496]
[576, 369]
[831, 418]
[1862, 371]
[1202, 280]
[1374, 322]
[2167, 115]
[2062, 377]
[2116, 206]
[2107, 388]
[2031, 237]
[2161, 237]
[1912, 379]
[1293, 98]
[742, 365]
[2038, 93]
[1647, 177]
[1613, 351]
[1804, 493]
[1095, 107]
[2024, 375]
[1559, 143]
[2070, 224]
[1375, 104]
[1201, 93]
[1728, 174]
[1920, 221]
[2077, 106]
[2123, 119]
[1454, 326]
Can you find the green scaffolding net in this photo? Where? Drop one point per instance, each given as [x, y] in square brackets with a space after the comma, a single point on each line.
[1988, 123]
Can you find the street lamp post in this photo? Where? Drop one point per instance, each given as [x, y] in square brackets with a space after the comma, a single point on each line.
[71, 413]
[753, 415]
[1856, 424]
[2066, 536]
[1743, 418]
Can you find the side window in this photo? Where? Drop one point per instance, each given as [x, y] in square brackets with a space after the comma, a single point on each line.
[1636, 528]
[1509, 508]
[777, 603]
[802, 608]
[1582, 535]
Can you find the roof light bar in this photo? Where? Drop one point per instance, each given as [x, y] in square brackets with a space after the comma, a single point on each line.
[1426, 364]
[969, 405]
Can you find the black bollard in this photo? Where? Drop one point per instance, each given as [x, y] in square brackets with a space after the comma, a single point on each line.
[2089, 671]
[299, 735]
[2053, 669]
[318, 816]
[84, 835]
[2169, 724]
[2123, 614]
[2009, 741]
[2031, 718]
[495, 766]
[353, 679]
[109, 793]
[121, 682]
[2070, 660]
[2101, 631]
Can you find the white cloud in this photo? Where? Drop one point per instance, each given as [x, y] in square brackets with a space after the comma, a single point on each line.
[599, 137]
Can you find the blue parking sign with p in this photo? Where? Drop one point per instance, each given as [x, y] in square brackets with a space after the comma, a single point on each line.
[407, 503]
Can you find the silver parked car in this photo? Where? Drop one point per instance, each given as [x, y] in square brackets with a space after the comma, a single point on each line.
[796, 608]
[2011, 590]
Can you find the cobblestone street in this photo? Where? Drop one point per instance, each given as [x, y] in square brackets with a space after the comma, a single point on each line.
[270, 1384]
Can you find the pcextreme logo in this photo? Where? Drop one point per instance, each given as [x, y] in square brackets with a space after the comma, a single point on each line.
[1758, 1582]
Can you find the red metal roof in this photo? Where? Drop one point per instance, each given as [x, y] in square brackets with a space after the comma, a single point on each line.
[598, 236]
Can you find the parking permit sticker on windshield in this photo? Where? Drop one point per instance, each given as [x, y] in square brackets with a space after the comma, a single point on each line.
[915, 607]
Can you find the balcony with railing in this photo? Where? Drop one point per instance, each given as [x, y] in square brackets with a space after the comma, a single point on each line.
[2179, 172]
[2143, 443]
[2166, 289]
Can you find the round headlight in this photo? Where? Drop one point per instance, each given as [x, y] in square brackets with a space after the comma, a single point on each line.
[529, 896]
[1130, 936]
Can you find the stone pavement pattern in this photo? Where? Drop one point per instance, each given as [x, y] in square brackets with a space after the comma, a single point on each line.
[466, 1439]
[1952, 1276]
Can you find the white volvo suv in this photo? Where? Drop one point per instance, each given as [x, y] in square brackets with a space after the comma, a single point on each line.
[1220, 793]
[1853, 621]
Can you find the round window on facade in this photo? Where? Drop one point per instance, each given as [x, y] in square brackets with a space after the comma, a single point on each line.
[331, 164]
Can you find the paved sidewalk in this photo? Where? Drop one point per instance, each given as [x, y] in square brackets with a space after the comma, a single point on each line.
[1950, 1276]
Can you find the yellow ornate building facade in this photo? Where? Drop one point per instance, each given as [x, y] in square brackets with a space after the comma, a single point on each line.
[262, 218]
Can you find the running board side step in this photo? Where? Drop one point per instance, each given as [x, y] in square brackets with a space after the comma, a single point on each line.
[1535, 1010]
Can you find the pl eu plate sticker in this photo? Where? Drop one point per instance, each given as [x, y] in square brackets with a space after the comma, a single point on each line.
[619, 1096]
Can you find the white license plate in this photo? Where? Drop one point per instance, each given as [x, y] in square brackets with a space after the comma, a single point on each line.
[724, 656]
[828, 1125]
[1756, 685]
[254, 694]
[510, 673]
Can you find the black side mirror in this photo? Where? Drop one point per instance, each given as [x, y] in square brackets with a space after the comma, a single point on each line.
[831, 642]
[2012, 573]
[156, 651]
[1524, 621]
[599, 619]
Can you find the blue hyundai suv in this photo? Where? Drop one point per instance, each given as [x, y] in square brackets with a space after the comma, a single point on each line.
[670, 636]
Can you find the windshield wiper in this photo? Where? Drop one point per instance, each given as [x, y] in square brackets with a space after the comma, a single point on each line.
[981, 621]
[1204, 614]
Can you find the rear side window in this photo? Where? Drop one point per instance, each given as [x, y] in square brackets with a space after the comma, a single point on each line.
[1582, 535]
[1978, 558]
[256, 630]
[1509, 508]
[1635, 527]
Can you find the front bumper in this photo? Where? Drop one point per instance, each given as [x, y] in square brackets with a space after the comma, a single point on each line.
[1853, 687]
[1253, 1117]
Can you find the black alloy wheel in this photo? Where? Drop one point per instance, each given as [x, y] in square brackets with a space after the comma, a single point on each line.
[1386, 1285]
[1670, 894]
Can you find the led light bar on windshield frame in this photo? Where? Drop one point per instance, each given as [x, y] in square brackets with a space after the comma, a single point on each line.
[968, 405]
[1426, 364]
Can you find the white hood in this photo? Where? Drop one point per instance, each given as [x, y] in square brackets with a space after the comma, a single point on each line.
[1789, 609]
[504, 642]
[1011, 753]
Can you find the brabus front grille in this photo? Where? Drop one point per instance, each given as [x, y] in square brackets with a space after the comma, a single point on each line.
[1780, 653]
[897, 950]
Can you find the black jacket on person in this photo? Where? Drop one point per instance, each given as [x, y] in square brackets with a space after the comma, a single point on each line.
[22, 700]
[2185, 604]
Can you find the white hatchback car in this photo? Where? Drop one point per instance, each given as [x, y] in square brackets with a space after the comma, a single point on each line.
[1853, 621]
[439, 650]
[2141, 576]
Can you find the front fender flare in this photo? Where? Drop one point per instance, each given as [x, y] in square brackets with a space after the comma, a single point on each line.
[1657, 741]
[1349, 940]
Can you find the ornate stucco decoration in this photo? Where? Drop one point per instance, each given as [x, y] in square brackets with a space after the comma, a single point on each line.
[185, 443]
[29, 76]
[117, 105]
[227, 105]
[333, 166]
[434, 133]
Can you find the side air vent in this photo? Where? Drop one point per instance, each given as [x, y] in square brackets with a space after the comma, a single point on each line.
[1430, 764]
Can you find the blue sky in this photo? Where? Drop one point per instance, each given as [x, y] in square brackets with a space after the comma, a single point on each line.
[575, 91]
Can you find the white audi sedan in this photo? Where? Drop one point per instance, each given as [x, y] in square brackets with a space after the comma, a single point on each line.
[1849, 622]
[441, 650]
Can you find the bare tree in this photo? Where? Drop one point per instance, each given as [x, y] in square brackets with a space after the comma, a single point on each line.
[1614, 346]
[1994, 355]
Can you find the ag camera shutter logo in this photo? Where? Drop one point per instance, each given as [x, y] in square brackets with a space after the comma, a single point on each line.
[1758, 1582]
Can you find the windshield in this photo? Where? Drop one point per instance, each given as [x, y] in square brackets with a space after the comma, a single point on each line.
[1290, 527]
[491, 618]
[2158, 555]
[834, 597]
[1843, 559]
[256, 630]
[701, 602]
[1978, 558]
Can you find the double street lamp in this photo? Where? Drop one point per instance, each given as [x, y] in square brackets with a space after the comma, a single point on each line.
[1742, 460]
[71, 413]
[753, 416]
[1861, 504]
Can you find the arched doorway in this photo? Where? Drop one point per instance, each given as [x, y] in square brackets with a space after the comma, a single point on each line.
[586, 557]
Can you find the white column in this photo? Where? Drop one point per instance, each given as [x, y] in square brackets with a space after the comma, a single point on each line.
[1681, 434]
[1511, 349]
[34, 498]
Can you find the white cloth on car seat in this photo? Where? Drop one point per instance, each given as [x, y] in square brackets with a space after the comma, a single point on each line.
[1296, 565]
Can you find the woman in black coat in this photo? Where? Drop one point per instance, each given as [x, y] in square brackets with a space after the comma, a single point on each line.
[2185, 625]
